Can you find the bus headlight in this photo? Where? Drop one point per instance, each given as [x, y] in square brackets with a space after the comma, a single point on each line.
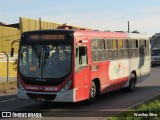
[66, 86]
[19, 84]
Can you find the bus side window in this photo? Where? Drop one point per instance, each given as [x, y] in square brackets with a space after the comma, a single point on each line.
[133, 48]
[111, 47]
[81, 56]
[142, 48]
[77, 57]
[123, 49]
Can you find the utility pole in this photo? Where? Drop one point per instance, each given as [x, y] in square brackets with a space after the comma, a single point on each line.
[40, 24]
[128, 27]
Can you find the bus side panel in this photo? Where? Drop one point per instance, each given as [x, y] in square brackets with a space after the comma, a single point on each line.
[82, 84]
[99, 71]
[142, 68]
[113, 75]
[118, 74]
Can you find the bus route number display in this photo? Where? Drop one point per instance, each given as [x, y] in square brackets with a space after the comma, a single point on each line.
[47, 37]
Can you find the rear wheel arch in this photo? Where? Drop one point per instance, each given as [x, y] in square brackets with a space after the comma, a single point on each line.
[134, 72]
[97, 83]
[132, 81]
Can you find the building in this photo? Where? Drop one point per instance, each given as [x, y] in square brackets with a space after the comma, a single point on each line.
[155, 40]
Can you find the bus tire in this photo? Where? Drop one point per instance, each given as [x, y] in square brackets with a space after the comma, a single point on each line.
[132, 83]
[92, 94]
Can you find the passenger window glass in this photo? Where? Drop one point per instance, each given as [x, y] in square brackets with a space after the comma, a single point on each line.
[111, 49]
[81, 56]
[98, 50]
[142, 48]
[133, 48]
[123, 49]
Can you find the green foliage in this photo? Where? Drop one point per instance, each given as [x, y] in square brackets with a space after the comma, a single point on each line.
[154, 105]
[146, 111]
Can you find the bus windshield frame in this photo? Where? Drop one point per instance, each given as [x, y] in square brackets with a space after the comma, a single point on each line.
[48, 58]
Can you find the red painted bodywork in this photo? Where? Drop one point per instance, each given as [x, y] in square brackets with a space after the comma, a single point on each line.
[83, 78]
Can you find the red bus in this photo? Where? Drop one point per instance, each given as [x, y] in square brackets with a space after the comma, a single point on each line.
[70, 65]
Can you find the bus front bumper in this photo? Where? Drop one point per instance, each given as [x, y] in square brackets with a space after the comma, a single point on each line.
[67, 96]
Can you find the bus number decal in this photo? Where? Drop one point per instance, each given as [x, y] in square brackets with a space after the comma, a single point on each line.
[51, 89]
[33, 68]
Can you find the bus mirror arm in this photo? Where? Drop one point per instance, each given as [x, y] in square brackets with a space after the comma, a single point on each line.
[12, 49]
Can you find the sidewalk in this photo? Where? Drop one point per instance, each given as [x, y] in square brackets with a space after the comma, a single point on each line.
[10, 79]
[9, 87]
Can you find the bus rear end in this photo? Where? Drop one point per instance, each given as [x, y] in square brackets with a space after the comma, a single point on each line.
[45, 66]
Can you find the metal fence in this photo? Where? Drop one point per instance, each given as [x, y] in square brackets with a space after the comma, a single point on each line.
[8, 67]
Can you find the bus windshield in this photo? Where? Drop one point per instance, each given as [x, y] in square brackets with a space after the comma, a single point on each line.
[45, 61]
[156, 52]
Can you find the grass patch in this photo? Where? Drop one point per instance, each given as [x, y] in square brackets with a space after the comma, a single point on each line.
[8, 87]
[150, 110]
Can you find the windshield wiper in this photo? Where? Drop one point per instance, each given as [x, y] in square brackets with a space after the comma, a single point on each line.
[37, 53]
[46, 54]
[43, 58]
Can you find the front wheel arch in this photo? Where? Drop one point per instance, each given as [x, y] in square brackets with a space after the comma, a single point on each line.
[94, 91]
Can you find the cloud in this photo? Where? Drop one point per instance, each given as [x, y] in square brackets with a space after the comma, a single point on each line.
[101, 21]
[2, 17]
[143, 20]
[147, 24]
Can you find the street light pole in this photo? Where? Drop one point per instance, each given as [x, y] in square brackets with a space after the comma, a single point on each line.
[7, 65]
[128, 27]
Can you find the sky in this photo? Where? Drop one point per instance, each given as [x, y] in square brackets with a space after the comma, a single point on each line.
[113, 15]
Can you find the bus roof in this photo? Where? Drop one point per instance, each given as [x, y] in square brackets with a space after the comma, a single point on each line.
[85, 33]
[90, 33]
[96, 34]
[137, 36]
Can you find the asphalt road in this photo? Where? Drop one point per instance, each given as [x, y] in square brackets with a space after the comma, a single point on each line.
[108, 104]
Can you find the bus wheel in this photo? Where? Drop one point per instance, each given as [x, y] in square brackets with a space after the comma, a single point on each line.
[92, 94]
[132, 83]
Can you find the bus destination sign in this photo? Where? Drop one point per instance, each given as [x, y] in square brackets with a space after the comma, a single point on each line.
[47, 37]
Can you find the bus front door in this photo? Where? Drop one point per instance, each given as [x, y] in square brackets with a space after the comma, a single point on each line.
[81, 74]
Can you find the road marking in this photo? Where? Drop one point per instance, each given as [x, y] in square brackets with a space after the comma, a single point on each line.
[8, 100]
[17, 107]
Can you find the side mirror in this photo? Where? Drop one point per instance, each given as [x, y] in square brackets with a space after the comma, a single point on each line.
[12, 52]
